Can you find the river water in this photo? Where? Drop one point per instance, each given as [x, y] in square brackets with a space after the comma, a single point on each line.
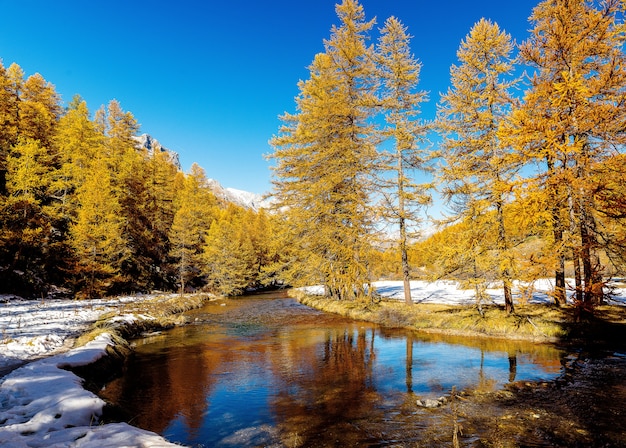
[264, 370]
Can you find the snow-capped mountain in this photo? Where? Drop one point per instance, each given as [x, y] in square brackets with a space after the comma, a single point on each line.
[246, 199]
[152, 145]
[243, 198]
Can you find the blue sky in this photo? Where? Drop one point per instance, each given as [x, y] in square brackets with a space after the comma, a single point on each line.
[208, 79]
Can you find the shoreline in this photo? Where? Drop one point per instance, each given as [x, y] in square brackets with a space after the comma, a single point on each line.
[534, 323]
[51, 399]
[100, 350]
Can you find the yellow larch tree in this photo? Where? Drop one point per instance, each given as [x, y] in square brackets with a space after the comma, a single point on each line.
[402, 198]
[571, 120]
[97, 233]
[478, 168]
[324, 159]
[229, 256]
[195, 210]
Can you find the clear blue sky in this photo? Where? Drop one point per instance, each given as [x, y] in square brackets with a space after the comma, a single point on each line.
[208, 79]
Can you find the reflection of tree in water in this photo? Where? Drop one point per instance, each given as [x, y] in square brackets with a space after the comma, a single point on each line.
[512, 366]
[335, 389]
[155, 401]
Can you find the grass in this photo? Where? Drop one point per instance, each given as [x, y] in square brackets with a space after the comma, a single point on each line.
[539, 323]
[152, 314]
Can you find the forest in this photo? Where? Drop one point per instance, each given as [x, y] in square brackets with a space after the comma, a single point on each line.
[526, 150]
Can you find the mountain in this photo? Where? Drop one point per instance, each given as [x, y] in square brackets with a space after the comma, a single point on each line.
[245, 199]
[152, 145]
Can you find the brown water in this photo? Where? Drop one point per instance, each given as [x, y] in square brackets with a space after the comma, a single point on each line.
[267, 371]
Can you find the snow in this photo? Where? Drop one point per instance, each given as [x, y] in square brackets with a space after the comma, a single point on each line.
[449, 292]
[43, 404]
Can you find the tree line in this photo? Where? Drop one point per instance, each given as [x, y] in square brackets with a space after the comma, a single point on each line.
[527, 150]
[85, 212]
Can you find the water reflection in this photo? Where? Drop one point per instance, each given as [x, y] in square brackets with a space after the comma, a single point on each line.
[263, 372]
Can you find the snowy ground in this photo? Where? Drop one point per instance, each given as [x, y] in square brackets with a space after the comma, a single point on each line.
[41, 403]
[448, 292]
[44, 405]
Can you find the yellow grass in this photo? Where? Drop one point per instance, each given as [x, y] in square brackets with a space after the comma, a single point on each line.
[530, 322]
[156, 313]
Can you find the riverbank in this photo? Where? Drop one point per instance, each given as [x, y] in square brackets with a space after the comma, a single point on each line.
[535, 320]
[45, 402]
[584, 406]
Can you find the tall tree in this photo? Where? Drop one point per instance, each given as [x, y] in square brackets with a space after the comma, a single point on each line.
[229, 256]
[97, 233]
[324, 158]
[25, 229]
[573, 118]
[399, 72]
[77, 143]
[194, 215]
[40, 109]
[478, 168]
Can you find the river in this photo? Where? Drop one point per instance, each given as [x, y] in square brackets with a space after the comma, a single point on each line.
[264, 370]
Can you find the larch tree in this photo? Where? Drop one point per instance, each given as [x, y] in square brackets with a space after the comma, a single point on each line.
[154, 188]
[40, 110]
[573, 119]
[194, 214]
[25, 228]
[324, 159]
[400, 103]
[76, 143]
[229, 256]
[6, 135]
[97, 233]
[479, 168]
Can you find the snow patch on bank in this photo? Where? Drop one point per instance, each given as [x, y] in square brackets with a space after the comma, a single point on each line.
[44, 404]
[449, 292]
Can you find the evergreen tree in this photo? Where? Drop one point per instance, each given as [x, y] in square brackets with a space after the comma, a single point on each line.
[325, 157]
[478, 168]
[399, 72]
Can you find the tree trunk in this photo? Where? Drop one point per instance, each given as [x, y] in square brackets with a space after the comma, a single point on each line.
[503, 248]
[560, 297]
[406, 271]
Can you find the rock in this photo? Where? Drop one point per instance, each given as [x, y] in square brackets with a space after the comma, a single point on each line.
[429, 403]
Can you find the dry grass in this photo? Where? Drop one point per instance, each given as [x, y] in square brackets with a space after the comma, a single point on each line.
[156, 313]
[539, 323]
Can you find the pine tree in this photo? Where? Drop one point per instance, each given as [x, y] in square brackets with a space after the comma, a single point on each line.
[324, 162]
[572, 119]
[399, 72]
[478, 168]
